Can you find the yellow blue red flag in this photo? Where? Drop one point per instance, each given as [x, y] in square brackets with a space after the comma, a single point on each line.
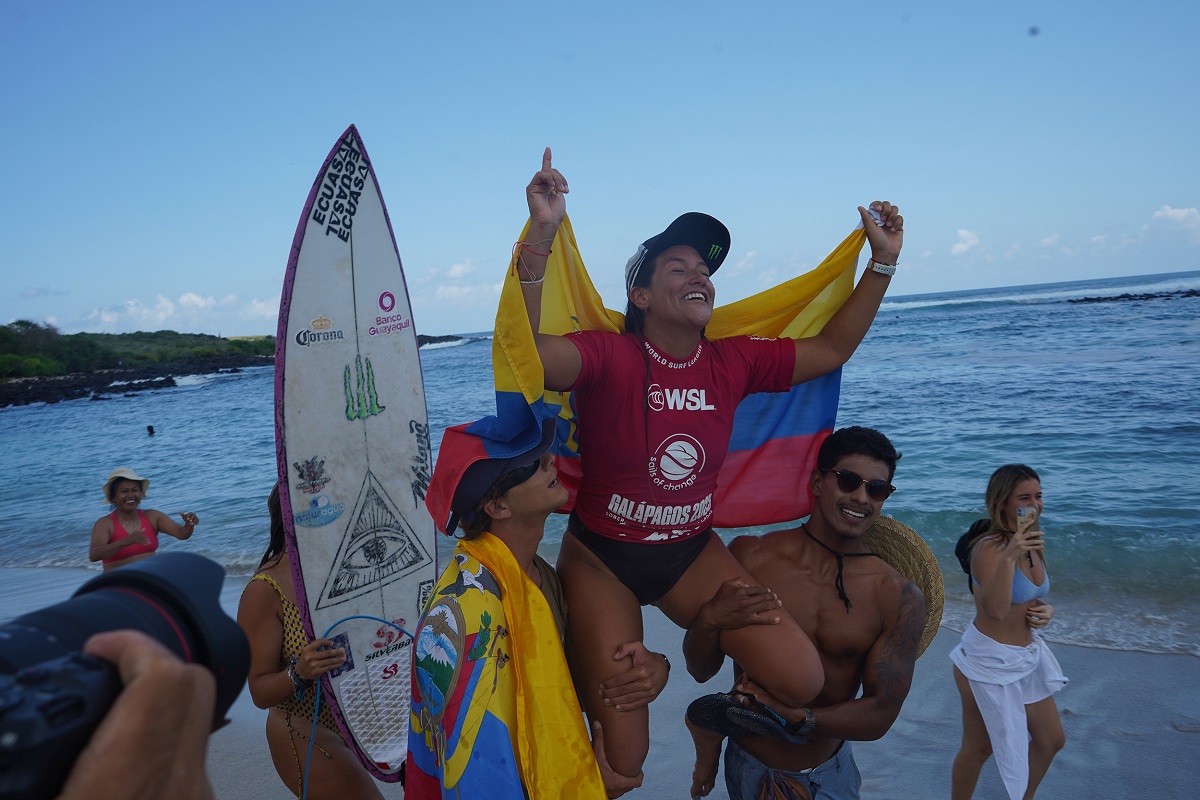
[773, 449]
[494, 712]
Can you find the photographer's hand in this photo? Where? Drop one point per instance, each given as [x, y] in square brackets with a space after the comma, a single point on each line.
[165, 711]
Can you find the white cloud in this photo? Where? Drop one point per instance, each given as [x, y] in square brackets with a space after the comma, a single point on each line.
[458, 294]
[34, 292]
[1188, 218]
[190, 312]
[461, 270]
[744, 264]
[1100, 241]
[768, 277]
[967, 240]
[190, 301]
[1049, 241]
[261, 309]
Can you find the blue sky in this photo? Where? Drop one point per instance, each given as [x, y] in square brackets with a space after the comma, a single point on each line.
[159, 154]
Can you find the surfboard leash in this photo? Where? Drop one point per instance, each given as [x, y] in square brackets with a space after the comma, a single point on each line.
[312, 734]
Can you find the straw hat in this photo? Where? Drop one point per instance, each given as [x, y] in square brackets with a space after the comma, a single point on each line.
[127, 474]
[900, 546]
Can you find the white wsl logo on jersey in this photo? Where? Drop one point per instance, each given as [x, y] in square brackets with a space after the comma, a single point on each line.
[659, 398]
[677, 462]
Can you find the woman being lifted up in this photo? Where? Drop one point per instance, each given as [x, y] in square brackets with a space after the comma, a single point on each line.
[638, 451]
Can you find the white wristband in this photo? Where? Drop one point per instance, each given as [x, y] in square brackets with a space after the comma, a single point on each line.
[882, 269]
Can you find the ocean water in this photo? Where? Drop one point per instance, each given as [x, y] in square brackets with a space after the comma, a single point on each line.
[1102, 398]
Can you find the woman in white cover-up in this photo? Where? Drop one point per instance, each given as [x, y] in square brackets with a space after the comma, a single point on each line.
[1005, 672]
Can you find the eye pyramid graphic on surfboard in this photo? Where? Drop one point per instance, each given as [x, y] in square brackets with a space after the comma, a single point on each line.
[352, 446]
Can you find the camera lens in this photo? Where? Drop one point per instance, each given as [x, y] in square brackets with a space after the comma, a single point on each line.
[173, 598]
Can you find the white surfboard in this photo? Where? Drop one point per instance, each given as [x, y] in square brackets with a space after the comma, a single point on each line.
[352, 444]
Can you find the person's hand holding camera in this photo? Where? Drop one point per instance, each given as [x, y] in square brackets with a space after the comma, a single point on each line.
[152, 742]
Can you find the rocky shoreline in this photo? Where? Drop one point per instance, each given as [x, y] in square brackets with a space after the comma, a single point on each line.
[99, 385]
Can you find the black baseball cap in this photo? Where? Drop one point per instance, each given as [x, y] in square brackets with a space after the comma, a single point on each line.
[705, 234]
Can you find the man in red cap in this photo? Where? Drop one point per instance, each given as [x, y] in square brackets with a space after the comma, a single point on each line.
[494, 710]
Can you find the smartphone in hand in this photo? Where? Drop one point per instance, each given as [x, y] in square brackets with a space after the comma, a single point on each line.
[1027, 517]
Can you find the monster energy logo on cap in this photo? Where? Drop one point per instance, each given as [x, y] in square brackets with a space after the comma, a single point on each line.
[705, 234]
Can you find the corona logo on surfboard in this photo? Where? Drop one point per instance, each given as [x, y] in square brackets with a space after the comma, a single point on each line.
[310, 336]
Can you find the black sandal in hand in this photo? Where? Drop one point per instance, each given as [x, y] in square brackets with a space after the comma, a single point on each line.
[737, 714]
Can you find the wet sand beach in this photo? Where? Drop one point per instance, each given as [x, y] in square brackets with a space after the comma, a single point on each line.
[1132, 719]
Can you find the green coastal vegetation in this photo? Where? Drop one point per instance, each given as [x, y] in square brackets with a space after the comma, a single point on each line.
[32, 350]
[38, 350]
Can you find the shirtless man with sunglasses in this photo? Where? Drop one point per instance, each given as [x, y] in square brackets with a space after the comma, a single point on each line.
[864, 617]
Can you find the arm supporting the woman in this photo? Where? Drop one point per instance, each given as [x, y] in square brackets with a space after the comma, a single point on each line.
[735, 605]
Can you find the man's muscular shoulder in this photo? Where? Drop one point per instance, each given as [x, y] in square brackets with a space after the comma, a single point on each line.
[761, 551]
[890, 586]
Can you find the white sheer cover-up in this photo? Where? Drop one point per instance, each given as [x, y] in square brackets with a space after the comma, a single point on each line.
[1004, 679]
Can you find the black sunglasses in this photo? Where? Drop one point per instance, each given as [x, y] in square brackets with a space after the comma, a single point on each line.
[850, 481]
[515, 477]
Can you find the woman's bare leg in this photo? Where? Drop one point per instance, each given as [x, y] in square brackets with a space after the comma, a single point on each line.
[976, 744]
[708, 758]
[334, 772]
[780, 658]
[1047, 738]
[602, 614]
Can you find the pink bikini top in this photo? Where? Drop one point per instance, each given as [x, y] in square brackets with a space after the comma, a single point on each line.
[120, 533]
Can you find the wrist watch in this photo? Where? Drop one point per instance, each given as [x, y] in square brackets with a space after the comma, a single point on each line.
[882, 269]
[810, 722]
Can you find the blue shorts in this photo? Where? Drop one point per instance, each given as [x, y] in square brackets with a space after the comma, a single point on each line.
[836, 779]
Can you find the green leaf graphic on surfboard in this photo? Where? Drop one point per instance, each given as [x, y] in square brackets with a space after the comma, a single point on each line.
[364, 402]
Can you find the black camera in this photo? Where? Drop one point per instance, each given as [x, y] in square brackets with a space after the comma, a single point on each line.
[52, 696]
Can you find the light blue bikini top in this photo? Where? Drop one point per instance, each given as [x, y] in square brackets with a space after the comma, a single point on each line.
[1023, 589]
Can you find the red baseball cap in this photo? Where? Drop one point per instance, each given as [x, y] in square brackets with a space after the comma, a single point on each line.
[470, 462]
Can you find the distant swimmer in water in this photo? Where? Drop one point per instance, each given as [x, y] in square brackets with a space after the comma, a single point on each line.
[130, 534]
[150, 429]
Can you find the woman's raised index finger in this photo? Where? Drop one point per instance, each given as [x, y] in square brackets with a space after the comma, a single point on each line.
[546, 160]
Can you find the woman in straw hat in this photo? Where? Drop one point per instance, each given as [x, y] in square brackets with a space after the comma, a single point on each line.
[1005, 673]
[130, 533]
[642, 532]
